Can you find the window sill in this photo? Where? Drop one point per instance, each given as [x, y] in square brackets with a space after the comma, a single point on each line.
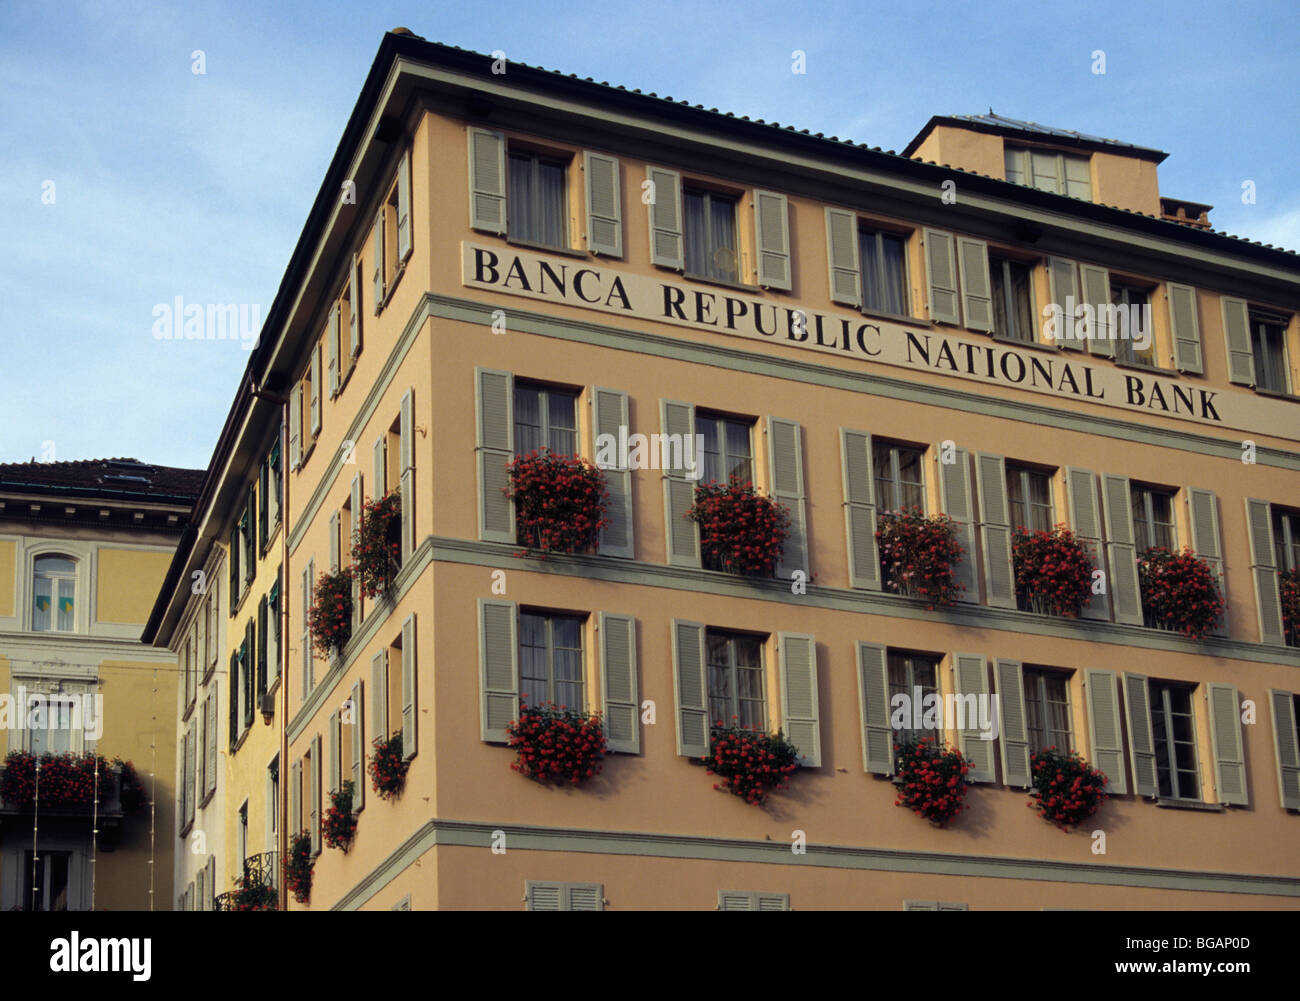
[188, 710]
[207, 674]
[207, 799]
[1031, 345]
[1190, 804]
[721, 283]
[234, 748]
[270, 539]
[547, 248]
[307, 448]
[1137, 366]
[1277, 394]
[185, 831]
[390, 285]
[244, 591]
[880, 314]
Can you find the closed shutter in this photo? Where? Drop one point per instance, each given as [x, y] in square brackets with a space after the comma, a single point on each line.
[1117, 501]
[842, 253]
[1096, 293]
[995, 530]
[976, 287]
[407, 455]
[487, 181]
[335, 524]
[1009, 683]
[1063, 280]
[404, 208]
[295, 426]
[333, 746]
[955, 495]
[970, 672]
[873, 703]
[313, 793]
[1203, 516]
[920, 905]
[1236, 336]
[604, 204]
[860, 509]
[585, 896]
[354, 310]
[379, 696]
[498, 659]
[541, 896]
[1081, 492]
[332, 349]
[1185, 323]
[691, 689]
[666, 244]
[410, 697]
[741, 900]
[799, 704]
[315, 392]
[1286, 748]
[495, 450]
[1268, 599]
[377, 250]
[618, 680]
[1229, 752]
[212, 882]
[1107, 746]
[609, 414]
[683, 535]
[211, 749]
[941, 271]
[1141, 740]
[772, 234]
[785, 461]
[295, 800]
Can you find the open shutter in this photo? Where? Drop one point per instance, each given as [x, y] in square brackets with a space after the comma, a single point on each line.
[970, 671]
[495, 449]
[377, 250]
[379, 485]
[799, 712]
[498, 659]
[356, 503]
[772, 235]
[314, 405]
[604, 204]
[406, 428]
[1229, 752]
[1081, 492]
[487, 181]
[860, 509]
[332, 349]
[1117, 501]
[666, 243]
[609, 413]
[1203, 516]
[691, 689]
[941, 272]
[1009, 682]
[873, 705]
[622, 705]
[1141, 741]
[1286, 748]
[211, 749]
[1096, 293]
[295, 426]
[842, 253]
[976, 286]
[683, 535]
[379, 696]
[1107, 746]
[410, 702]
[785, 462]
[212, 882]
[358, 747]
[1263, 567]
[1236, 336]
[295, 799]
[1185, 323]
[308, 579]
[333, 746]
[313, 792]
[335, 522]
[404, 207]
[354, 309]
[1063, 280]
[955, 495]
[995, 530]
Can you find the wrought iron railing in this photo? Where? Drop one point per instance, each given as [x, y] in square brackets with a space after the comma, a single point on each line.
[257, 886]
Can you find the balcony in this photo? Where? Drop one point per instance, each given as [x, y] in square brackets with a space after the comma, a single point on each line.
[257, 887]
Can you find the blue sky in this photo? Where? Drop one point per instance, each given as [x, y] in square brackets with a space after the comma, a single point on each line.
[168, 183]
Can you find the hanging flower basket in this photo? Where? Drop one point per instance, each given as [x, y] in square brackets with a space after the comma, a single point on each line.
[1180, 592]
[750, 763]
[557, 744]
[917, 555]
[388, 767]
[931, 779]
[252, 895]
[1053, 571]
[340, 823]
[66, 781]
[1067, 790]
[1289, 587]
[330, 616]
[298, 867]
[377, 544]
[560, 502]
[741, 531]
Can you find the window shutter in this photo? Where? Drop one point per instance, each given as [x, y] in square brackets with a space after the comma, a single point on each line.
[842, 253]
[604, 204]
[212, 882]
[487, 181]
[1063, 279]
[1009, 683]
[1103, 728]
[407, 455]
[995, 530]
[380, 483]
[1286, 750]
[947, 906]
[496, 449]
[1081, 492]
[585, 896]
[683, 535]
[334, 541]
[941, 272]
[1236, 336]
[314, 794]
[1203, 516]
[404, 208]
[666, 245]
[377, 249]
[1096, 293]
[498, 664]
[410, 702]
[211, 749]
[799, 709]
[955, 495]
[609, 413]
[920, 905]
[1141, 743]
[232, 704]
[315, 391]
[691, 689]
[358, 746]
[970, 671]
[1185, 323]
[772, 234]
[271, 806]
[332, 346]
[1268, 599]
[295, 799]
[308, 577]
[379, 696]
[201, 783]
[1118, 505]
[873, 702]
[356, 501]
[354, 310]
[334, 734]
[735, 900]
[976, 286]
[295, 426]
[785, 462]
[544, 896]
[1229, 754]
[618, 669]
[860, 509]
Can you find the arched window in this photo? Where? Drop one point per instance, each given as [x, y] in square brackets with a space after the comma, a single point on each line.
[54, 594]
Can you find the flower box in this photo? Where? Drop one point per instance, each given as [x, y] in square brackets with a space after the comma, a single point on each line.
[741, 530]
[388, 767]
[330, 616]
[931, 779]
[1289, 590]
[298, 867]
[377, 544]
[339, 826]
[750, 763]
[1053, 572]
[1067, 790]
[1180, 592]
[918, 554]
[560, 502]
[67, 782]
[557, 744]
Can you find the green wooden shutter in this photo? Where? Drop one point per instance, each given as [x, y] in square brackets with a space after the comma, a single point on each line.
[232, 704]
[1236, 336]
[944, 905]
[842, 253]
[1203, 516]
[873, 705]
[335, 522]
[1263, 567]
[1286, 748]
[379, 485]
[354, 311]
[800, 717]
[404, 207]
[406, 428]
[410, 700]
[1081, 493]
[377, 250]
[666, 244]
[785, 462]
[314, 406]
[955, 496]
[1063, 280]
[487, 181]
[971, 674]
[543, 896]
[495, 450]
[736, 900]
[333, 746]
[691, 689]
[860, 509]
[995, 530]
[295, 800]
[211, 748]
[941, 272]
[1009, 683]
[976, 287]
[618, 669]
[314, 794]
[1096, 293]
[682, 535]
[585, 896]
[609, 413]
[604, 204]
[358, 747]
[920, 905]
[356, 502]
[1185, 323]
[295, 426]
[1117, 502]
[772, 901]
[379, 696]
[1107, 746]
[1229, 753]
[332, 349]
[212, 882]
[772, 236]
[308, 579]
[498, 660]
[1141, 742]
[236, 551]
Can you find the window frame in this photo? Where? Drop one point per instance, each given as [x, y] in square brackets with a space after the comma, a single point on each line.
[1260, 320]
[1036, 679]
[1162, 738]
[545, 391]
[895, 480]
[710, 195]
[1124, 353]
[1026, 168]
[1023, 473]
[55, 579]
[866, 230]
[908, 660]
[1144, 521]
[1286, 538]
[536, 158]
[732, 668]
[999, 272]
[549, 617]
[721, 421]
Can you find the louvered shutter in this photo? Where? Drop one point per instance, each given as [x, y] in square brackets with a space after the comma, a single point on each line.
[920, 905]
[618, 679]
[1009, 682]
[313, 792]
[356, 501]
[332, 349]
[941, 272]
[487, 181]
[544, 896]
[212, 882]
[970, 672]
[410, 699]
[354, 309]
[691, 689]
[1185, 324]
[1236, 337]
[407, 452]
[379, 696]
[377, 249]
[358, 753]
[860, 509]
[785, 461]
[772, 901]
[335, 523]
[404, 208]
[1121, 548]
[211, 749]
[585, 896]
[498, 659]
[683, 535]
[308, 574]
[1063, 280]
[735, 900]
[1263, 567]
[799, 703]
[995, 530]
[955, 495]
[604, 204]
[201, 781]
[976, 286]
[1203, 516]
[1286, 748]
[609, 413]
[333, 746]
[873, 705]
[1229, 752]
[380, 483]
[772, 235]
[295, 800]
[1141, 740]
[1081, 492]
[666, 243]
[1104, 730]
[315, 392]
[1096, 293]
[842, 253]
[295, 426]
[495, 450]
[232, 707]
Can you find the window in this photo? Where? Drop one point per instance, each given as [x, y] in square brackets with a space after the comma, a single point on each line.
[49, 724]
[1153, 518]
[898, 476]
[45, 881]
[214, 619]
[908, 672]
[1139, 346]
[536, 197]
[1047, 710]
[1013, 309]
[246, 534]
[1174, 735]
[1029, 493]
[1286, 538]
[1060, 173]
[728, 447]
[736, 683]
[709, 228]
[272, 633]
[269, 488]
[234, 556]
[273, 807]
[545, 417]
[1268, 342]
[54, 594]
[550, 659]
[243, 835]
[884, 272]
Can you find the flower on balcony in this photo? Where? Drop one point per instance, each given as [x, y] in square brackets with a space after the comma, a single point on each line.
[560, 502]
[298, 866]
[377, 544]
[1067, 790]
[917, 555]
[931, 779]
[388, 767]
[1180, 592]
[339, 826]
[252, 894]
[330, 615]
[741, 530]
[1053, 571]
[1289, 589]
[751, 763]
[556, 744]
[65, 780]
